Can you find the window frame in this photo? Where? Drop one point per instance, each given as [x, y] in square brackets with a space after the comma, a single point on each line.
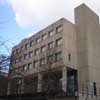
[44, 36]
[51, 45]
[51, 32]
[59, 41]
[59, 29]
[35, 52]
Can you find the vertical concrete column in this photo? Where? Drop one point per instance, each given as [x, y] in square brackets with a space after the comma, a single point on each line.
[64, 79]
[22, 86]
[8, 89]
[39, 87]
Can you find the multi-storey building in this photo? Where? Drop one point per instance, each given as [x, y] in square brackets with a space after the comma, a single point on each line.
[61, 59]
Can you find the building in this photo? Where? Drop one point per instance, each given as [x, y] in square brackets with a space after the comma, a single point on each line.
[62, 59]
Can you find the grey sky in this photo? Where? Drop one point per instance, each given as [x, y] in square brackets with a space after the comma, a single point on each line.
[44, 12]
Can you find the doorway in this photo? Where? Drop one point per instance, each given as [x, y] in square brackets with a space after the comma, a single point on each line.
[72, 82]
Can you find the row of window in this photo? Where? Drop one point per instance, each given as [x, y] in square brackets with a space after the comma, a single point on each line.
[56, 57]
[42, 49]
[37, 40]
[52, 58]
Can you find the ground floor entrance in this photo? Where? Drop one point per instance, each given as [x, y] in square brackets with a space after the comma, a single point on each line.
[61, 82]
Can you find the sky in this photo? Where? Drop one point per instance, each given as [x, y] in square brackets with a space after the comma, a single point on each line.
[20, 19]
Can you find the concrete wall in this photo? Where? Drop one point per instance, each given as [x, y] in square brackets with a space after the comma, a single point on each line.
[88, 39]
[69, 35]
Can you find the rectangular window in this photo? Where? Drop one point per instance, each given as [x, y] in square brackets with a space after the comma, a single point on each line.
[25, 67]
[37, 51]
[29, 66]
[58, 56]
[21, 69]
[22, 48]
[59, 41]
[31, 43]
[16, 61]
[42, 61]
[69, 57]
[30, 54]
[25, 56]
[20, 58]
[51, 45]
[36, 63]
[50, 59]
[43, 49]
[44, 36]
[59, 29]
[26, 46]
[16, 70]
[38, 40]
[13, 53]
[16, 51]
[51, 33]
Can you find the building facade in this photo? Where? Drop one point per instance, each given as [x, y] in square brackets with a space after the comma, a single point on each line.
[62, 59]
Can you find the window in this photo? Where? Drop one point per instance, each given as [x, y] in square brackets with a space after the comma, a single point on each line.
[44, 36]
[31, 43]
[26, 46]
[13, 53]
[51, 45]
[50, 59]
[21, 69]
[69, 57]
[36, 63]
[59, 29]
[29, 66]
[20, 58]
[51, 33]
[25, 67]
[58, 56]
[43, 49]
[38, 40]
[25, 56]
[16, 61]
[22, 48]
[30, 54]
[43, 61]
[37, 51]
[59, 42]
[16, 51]
[16, 70]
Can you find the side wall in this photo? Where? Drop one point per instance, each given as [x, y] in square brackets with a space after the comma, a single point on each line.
[88, 48]
[69, 35]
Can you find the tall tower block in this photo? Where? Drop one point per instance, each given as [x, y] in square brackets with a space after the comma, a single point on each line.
[88, 45]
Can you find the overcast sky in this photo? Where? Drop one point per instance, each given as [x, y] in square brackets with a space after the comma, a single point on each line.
[44, 12]
[29, 16]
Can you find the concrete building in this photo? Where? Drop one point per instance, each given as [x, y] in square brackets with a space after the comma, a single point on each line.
[62, 59]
